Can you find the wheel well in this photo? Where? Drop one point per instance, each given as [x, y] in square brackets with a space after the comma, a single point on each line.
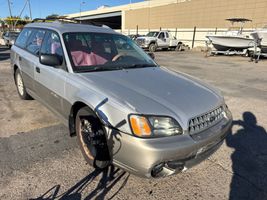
[73, 112]
[14, 70]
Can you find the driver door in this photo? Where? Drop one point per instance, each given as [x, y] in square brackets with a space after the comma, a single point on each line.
[161, 40]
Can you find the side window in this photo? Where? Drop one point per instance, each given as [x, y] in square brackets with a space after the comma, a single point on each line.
[51, 44]
[23, 37]
[167, 35]
[161, 35]
[35, 41]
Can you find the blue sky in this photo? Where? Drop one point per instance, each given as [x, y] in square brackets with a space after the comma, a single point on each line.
[42, 8]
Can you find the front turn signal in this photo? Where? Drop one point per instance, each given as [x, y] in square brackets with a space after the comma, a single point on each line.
[140, 126]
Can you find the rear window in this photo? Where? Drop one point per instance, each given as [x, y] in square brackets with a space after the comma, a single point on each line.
[23, 37]
[167, 35]
[35, 41]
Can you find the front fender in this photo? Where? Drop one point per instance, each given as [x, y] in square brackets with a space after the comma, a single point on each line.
[153, 41]
[110, 112]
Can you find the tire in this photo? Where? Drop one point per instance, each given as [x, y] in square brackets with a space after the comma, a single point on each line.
[21, 87]
[92, 139]
[152, 47]
[178, 47]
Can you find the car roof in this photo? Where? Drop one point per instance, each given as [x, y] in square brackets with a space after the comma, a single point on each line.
[70, 27]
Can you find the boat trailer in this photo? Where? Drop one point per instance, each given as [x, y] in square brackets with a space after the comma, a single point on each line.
[230, 52]
[256, 52]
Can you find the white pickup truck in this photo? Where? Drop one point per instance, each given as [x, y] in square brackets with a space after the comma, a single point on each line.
[159, 39]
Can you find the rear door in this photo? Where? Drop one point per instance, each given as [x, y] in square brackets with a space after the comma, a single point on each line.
[26, 57]
[167, 37]
[50, 81]
[30, 57]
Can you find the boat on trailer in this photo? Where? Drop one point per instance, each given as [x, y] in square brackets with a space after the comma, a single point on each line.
[233, 40]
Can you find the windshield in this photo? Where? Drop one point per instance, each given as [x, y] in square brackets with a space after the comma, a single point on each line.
[100, 51]
[12, 34]
[152, 34]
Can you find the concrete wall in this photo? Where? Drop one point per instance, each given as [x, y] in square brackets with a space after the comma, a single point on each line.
[199, 13]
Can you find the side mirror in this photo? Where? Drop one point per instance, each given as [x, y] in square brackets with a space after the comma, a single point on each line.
[50, 60]
[152, 55]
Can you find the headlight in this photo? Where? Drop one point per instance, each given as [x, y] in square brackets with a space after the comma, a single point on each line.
[154, 126]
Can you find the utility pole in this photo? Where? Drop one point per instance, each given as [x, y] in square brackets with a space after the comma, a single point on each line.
[29, 3]
[8, 1]
[21, 13]
[81, 3]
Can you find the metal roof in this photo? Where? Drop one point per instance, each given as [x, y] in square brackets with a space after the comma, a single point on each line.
[105, 15]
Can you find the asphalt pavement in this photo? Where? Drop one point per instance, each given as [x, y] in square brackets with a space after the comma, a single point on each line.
[38, 160]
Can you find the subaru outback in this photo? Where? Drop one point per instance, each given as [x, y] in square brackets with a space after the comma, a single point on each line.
[123, 107]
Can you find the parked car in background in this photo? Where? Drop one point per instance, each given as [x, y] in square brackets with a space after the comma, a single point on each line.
[10, 37]
[158, 39]
[124, 108]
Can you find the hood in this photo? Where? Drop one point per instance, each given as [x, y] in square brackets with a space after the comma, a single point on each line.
[156, 91]
[146, 38]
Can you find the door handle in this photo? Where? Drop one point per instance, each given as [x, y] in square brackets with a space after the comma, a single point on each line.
[37, 69]
[20, 58]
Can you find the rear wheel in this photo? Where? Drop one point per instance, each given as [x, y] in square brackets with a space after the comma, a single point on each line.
[92, 139]
[20, 86]
[178, 47]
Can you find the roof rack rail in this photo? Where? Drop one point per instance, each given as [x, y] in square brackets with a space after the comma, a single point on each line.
[68, 20]
[56, 19]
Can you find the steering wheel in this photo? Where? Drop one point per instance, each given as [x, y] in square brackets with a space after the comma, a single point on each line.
[118, 57]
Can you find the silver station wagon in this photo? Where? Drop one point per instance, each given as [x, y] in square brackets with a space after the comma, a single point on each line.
[124, 108]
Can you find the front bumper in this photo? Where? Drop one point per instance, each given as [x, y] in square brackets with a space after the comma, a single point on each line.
[142, 45]
[159, 157]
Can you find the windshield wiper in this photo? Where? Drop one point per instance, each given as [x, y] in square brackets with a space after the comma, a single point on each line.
[98, 68]
[139, 66]
[113, 67]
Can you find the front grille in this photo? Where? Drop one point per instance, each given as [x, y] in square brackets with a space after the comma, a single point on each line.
[140, 41]
[206, 120]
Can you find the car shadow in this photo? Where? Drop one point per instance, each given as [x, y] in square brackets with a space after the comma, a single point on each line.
[109, 178]
[4, 54]
[249, 159]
